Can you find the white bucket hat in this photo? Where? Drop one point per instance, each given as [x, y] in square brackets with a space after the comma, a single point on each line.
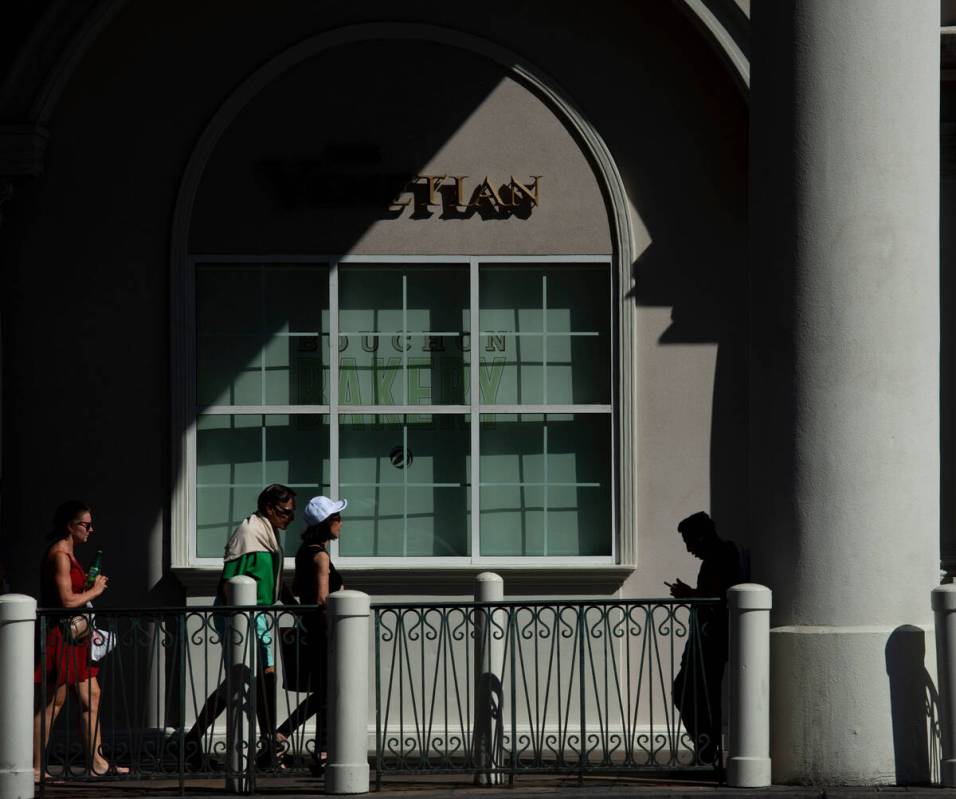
[320, 508]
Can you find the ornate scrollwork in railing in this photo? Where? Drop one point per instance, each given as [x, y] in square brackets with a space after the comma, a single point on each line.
[524, 687]
[491, 689]
[145, 694]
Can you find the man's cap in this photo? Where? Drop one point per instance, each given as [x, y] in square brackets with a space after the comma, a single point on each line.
[320, 508]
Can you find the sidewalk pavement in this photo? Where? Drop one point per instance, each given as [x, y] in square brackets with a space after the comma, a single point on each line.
[528, 787]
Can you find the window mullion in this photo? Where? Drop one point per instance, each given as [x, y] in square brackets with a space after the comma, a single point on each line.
[544, 470]
[405, 337]
[405, 417]
[544, 399]
[475, 429]
[333, 386]
[544, 339]
[405, 487]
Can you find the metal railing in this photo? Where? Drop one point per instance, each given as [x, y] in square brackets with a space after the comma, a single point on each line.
[491, 688]
[508, 688]
[181, 693]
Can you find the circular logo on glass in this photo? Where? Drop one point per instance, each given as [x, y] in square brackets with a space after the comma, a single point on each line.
[401, 457]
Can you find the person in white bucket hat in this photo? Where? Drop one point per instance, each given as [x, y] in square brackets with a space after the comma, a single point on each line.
[305, 656]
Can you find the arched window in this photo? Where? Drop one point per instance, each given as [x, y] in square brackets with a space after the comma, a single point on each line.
[417, 313]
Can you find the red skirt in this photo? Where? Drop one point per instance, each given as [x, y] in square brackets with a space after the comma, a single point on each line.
[66, 663]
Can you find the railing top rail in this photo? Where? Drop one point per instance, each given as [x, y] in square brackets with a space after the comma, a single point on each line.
[504, 604]
[174, 610]
[519, 603]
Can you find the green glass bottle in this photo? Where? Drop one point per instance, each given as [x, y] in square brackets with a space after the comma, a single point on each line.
[93, 570]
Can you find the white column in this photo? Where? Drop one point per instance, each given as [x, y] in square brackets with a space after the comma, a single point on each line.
[844, 471]
[749, 763]
[944, 610]
[347, 770]
[17, 622]
[240, 650]
[490, 631]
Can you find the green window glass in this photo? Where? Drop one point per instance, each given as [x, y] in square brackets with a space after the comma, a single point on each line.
[403, 335]
[404, 438]
[237, 455]
[263, 334]
[407, 481]
[545, 334]
[545, 484]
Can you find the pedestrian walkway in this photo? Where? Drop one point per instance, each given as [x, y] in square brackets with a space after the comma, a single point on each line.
[524, 788]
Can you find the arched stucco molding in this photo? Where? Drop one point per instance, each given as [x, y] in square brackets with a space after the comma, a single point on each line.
[726, 24]
[591, 144]
[53, 50]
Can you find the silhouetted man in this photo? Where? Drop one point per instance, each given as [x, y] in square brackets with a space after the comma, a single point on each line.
[697, 685]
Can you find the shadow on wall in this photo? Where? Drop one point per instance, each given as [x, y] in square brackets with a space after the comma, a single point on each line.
[126, 503]
[914, 708]
[697, 263]
[333, 197]
[685, 172]
[680, 144]
[947, 298]
[693, 201]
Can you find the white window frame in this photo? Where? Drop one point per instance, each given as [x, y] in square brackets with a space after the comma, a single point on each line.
[184, 500]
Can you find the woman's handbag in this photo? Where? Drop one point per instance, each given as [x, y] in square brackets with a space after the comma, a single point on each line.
[101, 644]
[303, 650]
[77, 628]
[295, 658]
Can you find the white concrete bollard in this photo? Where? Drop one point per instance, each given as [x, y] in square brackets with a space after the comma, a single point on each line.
[240, 650]
[347, 770]
[490, 631]
[17, 621]
[749, 763]
[944, 605]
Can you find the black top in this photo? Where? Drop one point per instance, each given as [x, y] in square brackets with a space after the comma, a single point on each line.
[720, 570]
[305, 578]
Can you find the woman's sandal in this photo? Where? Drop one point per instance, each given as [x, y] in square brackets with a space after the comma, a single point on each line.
[318, 764]
[109, 771]
[274, 760]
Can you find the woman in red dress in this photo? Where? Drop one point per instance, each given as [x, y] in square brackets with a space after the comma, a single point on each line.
[67, 664]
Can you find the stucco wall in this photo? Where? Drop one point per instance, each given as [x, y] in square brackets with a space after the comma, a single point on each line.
[310, 163]
[86, 259]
